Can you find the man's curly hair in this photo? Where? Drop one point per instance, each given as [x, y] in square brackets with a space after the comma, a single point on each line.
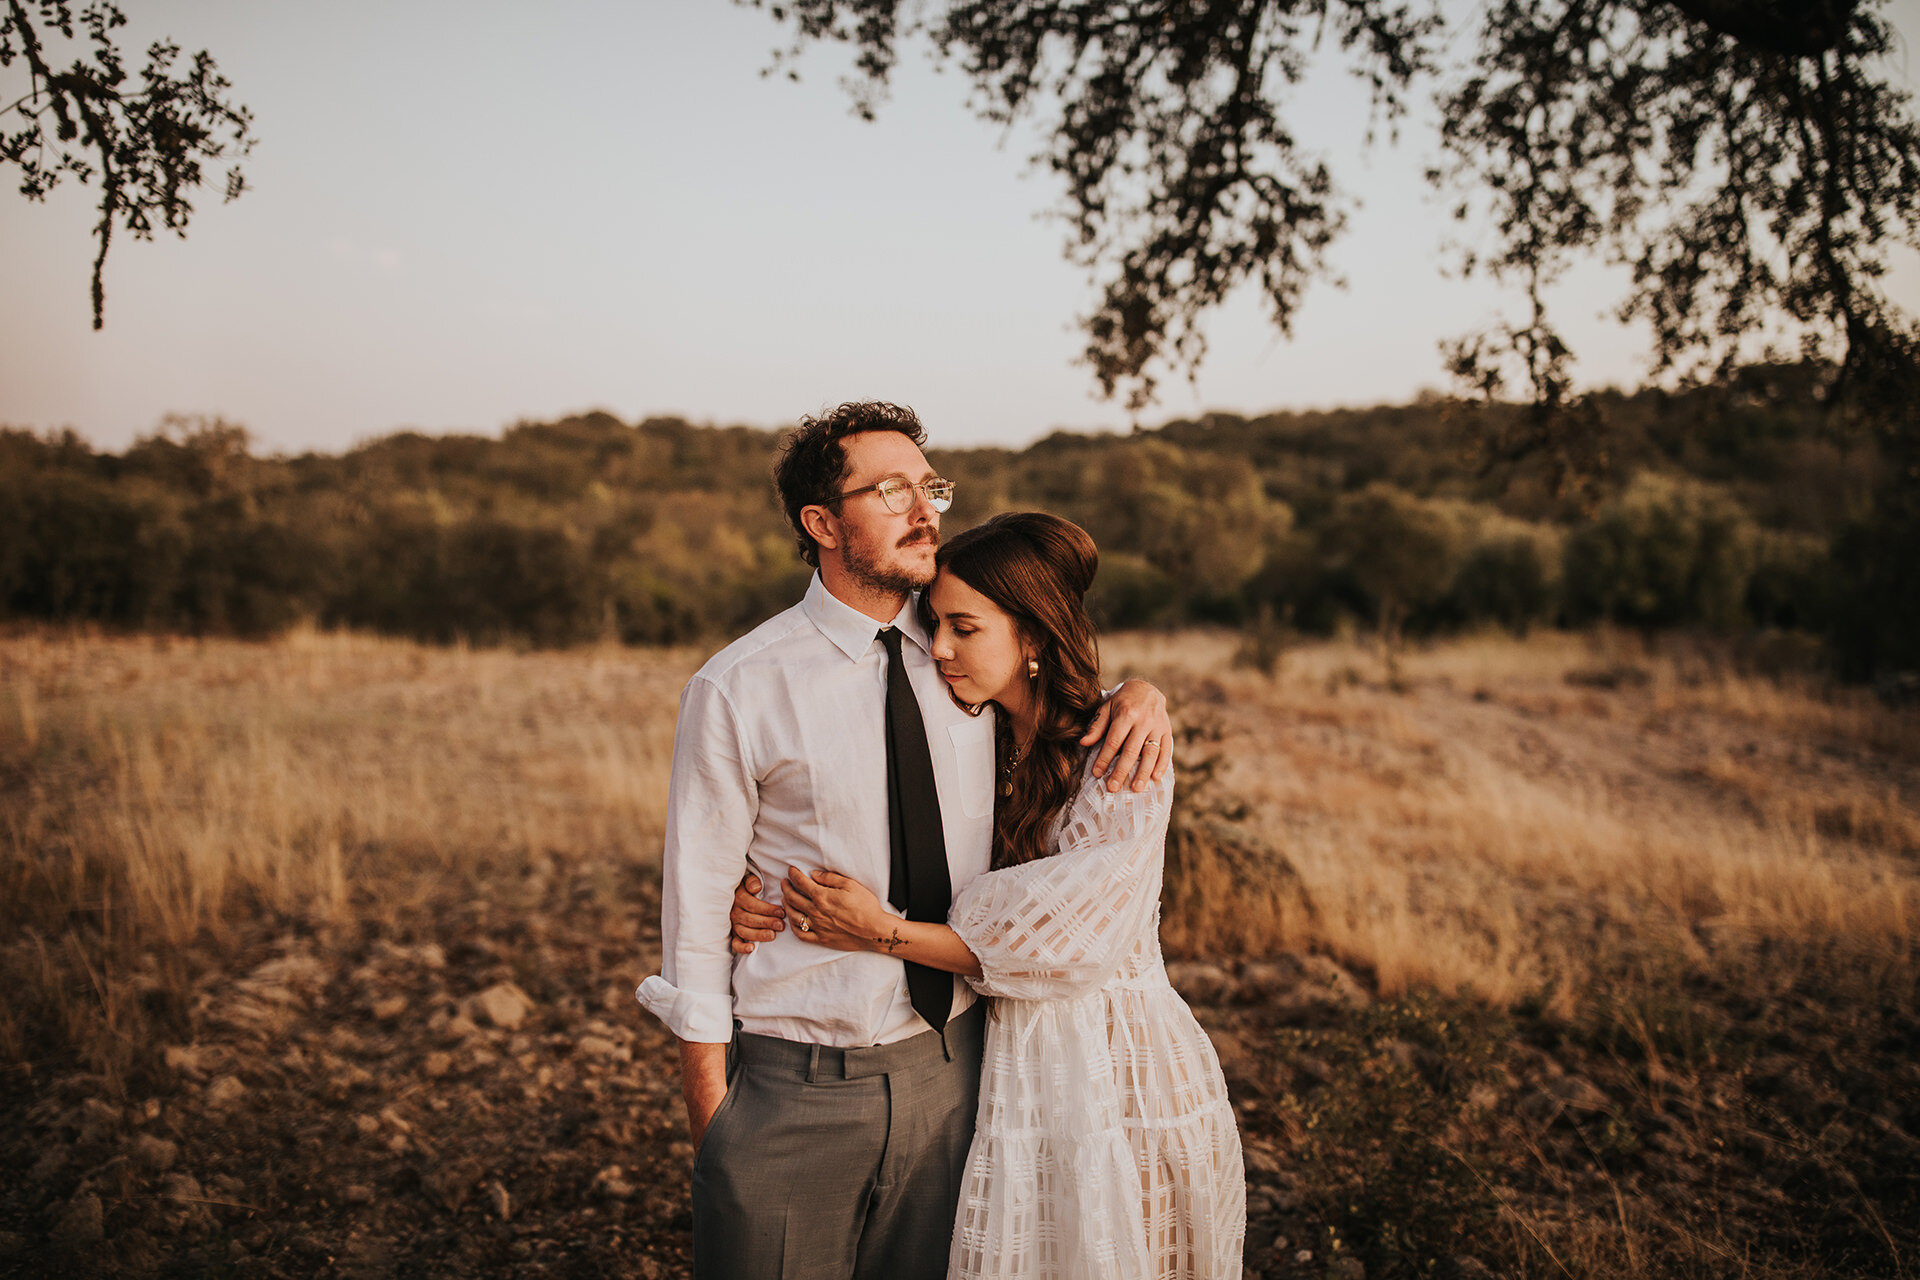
[813, 458]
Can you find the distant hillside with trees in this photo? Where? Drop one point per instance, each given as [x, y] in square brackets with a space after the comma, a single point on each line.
[1730, 508]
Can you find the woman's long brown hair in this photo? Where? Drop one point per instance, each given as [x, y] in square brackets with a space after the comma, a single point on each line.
[1037, 568]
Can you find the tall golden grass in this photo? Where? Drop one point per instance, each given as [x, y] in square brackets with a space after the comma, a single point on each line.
[1505, 818]
[157, 792]
[1496, 820]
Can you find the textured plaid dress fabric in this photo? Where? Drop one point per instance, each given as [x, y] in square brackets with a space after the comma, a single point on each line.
[1105, 1145]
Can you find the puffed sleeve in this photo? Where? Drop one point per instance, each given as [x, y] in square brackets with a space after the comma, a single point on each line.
[1062, 925]
[712, 800]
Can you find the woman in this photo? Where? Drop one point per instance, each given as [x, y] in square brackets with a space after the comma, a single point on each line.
[1105, 1144]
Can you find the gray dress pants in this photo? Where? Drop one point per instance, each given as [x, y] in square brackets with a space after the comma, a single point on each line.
[837, 1164]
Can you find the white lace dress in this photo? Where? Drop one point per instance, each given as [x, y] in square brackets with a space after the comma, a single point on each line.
[1105, 1145]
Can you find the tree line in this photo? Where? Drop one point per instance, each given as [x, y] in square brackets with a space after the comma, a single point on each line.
[1730, 507]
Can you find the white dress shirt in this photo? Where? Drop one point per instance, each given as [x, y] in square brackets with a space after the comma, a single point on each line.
[780, 759]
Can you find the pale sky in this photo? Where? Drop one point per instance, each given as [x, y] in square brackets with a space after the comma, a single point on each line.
[465, 214]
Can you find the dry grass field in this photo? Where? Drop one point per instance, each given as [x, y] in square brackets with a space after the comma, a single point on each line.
[1566, 956]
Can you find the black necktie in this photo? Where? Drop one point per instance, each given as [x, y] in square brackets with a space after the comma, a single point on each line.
[920, 885]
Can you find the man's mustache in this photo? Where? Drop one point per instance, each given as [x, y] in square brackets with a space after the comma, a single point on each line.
[918, 536]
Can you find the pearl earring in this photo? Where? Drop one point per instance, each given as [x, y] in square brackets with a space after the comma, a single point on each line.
[1033, 668]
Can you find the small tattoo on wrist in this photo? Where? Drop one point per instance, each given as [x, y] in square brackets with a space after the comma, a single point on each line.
[890, 943]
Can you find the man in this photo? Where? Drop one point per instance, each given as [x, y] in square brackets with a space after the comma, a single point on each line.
[831, 1095]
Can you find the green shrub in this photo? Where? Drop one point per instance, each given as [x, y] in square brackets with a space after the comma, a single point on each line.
[1667, 552]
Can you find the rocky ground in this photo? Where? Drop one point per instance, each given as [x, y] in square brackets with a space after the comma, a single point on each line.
[453, 1079]
[482, 1097]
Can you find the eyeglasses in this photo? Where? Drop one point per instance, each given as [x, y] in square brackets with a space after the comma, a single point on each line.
[898, 494]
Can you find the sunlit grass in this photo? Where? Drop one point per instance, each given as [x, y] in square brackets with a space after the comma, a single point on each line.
[1512, 818]
[1500, 823]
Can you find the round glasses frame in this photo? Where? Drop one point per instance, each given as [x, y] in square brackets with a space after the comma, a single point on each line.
[898, 494]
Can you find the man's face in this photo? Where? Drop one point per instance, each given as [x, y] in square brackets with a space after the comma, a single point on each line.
[878, 549]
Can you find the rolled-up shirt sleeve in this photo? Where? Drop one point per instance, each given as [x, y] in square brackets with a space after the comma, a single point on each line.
[711, 804]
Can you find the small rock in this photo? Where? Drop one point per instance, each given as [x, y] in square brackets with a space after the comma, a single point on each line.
[82, 1222]
[1303, 1257]
[356, 1193]
[185, 1200]
[154, 1154]
[431, 954]
[1340, 985]
[460, 1027]
[304, 974]
[181, 1186]
[1315, 1069]
[497, 1198]
[450, 1182]
[436, 1064]
[367, 1125]
[51, 1164]
[504, 1005]
[188, 1059]
[1200, 982]
[598, 1047]
[1261, 980]
[1346, 1268]
[225, 1092]
[391, 1007]
[99, 1120]
[609, 1182]
[395, 1120]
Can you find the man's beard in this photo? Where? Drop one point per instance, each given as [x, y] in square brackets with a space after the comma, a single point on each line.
[865, 565]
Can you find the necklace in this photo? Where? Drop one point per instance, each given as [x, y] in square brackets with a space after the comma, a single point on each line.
[1014, 756]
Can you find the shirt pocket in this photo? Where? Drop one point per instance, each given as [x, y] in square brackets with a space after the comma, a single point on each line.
[973, 765]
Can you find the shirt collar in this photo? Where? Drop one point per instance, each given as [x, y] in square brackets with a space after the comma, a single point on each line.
[852, 631]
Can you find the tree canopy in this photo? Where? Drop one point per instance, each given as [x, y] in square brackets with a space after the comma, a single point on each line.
[1746, 159]
[143, 137]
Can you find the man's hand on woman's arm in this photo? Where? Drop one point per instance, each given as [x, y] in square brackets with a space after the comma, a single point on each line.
[1135, 736]
[753, 920]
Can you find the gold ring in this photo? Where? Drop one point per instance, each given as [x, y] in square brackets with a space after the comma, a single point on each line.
[801, 923]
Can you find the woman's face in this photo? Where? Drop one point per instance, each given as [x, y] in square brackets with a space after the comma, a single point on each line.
[977, 645]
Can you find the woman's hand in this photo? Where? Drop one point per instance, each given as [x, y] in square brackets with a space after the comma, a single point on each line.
[834, 911]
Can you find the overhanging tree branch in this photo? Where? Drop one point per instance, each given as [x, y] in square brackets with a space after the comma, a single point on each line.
[146, 143]
[1678, 137]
